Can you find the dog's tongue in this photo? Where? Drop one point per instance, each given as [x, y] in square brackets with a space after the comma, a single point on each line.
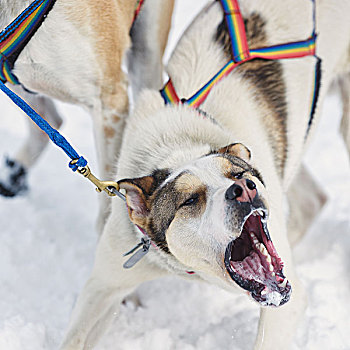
[261, 266]
[256, 267]
[250, 268]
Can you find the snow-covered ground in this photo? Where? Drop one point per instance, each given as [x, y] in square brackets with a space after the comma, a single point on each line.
[47, 242]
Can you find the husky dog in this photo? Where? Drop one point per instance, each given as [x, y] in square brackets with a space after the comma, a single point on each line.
[209, 189]
[76, 56]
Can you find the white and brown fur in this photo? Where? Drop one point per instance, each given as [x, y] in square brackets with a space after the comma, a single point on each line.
[76, 56]
[170, 152]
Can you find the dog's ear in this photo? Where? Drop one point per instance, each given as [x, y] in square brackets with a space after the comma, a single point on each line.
[138, 193]
[237, 150]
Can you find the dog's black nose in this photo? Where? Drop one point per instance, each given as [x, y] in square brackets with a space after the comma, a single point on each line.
[233, 192]
[243, 190]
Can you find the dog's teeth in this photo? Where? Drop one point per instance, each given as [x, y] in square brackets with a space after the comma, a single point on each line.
[262, 249]
[255, 240]
[262, 214]
[273, 274]
[283, 284]
[264, 252]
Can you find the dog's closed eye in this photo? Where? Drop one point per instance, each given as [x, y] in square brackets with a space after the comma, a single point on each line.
[191, 201]
[238, 175]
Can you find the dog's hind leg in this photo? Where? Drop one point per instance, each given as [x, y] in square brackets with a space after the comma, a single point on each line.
[305, 200]
[13, 179]
[149, 36]
[345, 122]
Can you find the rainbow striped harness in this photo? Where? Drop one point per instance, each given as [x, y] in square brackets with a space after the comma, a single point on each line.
[241, 53]
[17, 34]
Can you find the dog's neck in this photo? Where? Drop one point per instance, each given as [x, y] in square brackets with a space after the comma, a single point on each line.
[162, 137]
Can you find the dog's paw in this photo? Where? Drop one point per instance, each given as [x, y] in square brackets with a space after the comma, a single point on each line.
[13, 178]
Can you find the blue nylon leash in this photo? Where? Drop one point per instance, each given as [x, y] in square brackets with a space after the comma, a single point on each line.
[77, 163]
[53, 134]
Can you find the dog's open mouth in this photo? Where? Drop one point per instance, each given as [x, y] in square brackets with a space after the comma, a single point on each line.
[253, 263]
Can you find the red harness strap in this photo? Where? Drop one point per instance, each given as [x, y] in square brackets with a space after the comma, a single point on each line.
[138, 7]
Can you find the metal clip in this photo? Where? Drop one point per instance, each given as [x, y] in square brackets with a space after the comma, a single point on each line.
[110, 187]
[135, 258]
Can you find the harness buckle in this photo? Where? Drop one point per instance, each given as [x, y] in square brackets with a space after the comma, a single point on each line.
[110, 187]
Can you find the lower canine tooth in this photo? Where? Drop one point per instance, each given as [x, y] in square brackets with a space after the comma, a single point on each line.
[271, 267]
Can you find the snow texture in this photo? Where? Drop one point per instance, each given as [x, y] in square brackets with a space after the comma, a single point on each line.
[47, 242]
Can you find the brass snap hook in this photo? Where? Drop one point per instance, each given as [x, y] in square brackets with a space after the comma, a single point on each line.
[110, 187]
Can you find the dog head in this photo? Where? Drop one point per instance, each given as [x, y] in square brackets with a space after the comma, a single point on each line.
[211, 217]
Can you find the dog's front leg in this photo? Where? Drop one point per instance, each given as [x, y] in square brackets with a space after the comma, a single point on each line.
[108, 285]
[92, 314]
[15, 169]
[277, 326]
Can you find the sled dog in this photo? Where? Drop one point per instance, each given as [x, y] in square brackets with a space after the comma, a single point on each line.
[208, 187]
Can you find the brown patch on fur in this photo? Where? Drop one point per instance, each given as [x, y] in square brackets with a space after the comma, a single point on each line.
[145, 188]
[230, 170]
[225, 165]
[108, 131]
[108, 168]
[165, 24]
[267, 77]
[236, 150]
[227, 168]
[107, 24]
[189, 186]
[167, 203]
[115, 119]
[234, 167]
[187, 183]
